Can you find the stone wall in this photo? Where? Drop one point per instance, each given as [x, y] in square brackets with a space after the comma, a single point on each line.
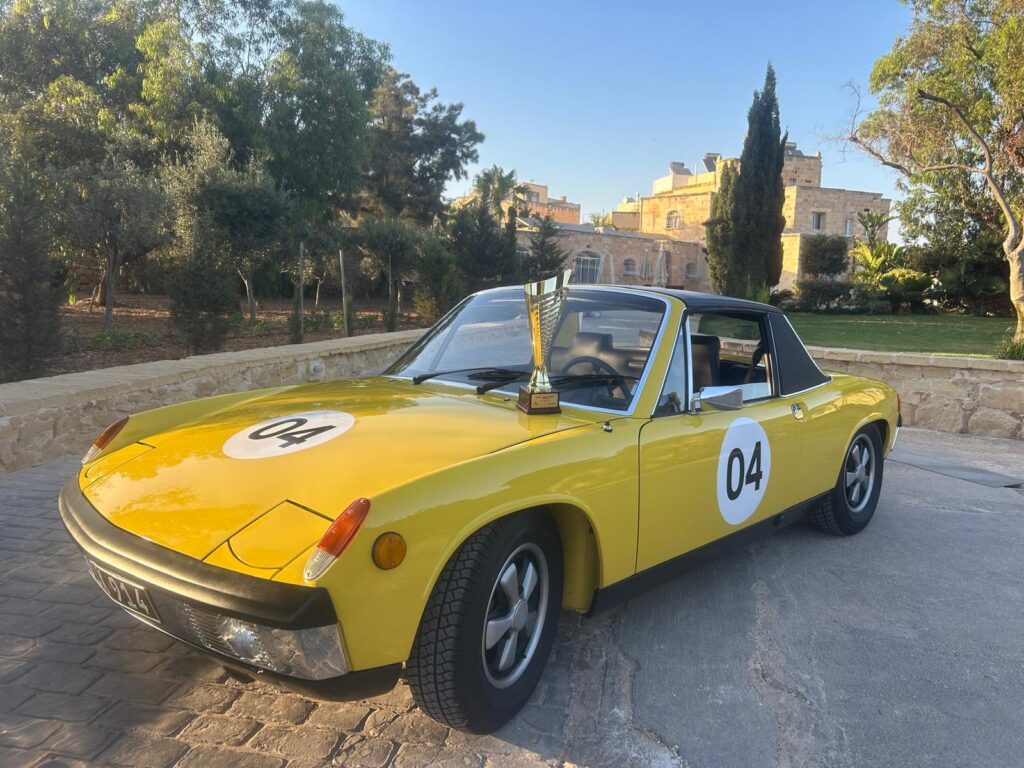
[950, 394]
[58, 416]
[967, 395]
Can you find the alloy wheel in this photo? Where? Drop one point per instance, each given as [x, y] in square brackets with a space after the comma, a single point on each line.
[860, 473]
[515, 615]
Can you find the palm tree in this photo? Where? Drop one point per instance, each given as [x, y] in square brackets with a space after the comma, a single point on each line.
[601, 219]
[498, 190]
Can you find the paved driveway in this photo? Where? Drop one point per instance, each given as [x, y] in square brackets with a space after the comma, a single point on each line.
[901, 646]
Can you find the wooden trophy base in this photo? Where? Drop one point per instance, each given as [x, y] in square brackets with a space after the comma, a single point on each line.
[537, 402]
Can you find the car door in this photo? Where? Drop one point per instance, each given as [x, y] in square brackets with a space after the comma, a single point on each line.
[707, 473]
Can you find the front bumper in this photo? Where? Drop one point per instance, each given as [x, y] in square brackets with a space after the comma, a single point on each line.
[188, 595]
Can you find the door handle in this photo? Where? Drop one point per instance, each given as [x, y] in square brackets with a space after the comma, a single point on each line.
[797, 410]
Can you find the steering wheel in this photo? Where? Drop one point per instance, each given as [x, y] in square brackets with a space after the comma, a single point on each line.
[754, 360]
[616, 380]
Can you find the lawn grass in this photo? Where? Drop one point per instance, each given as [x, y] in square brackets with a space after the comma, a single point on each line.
[943, 334]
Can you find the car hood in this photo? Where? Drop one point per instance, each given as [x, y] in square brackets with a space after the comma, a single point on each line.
[178, 487]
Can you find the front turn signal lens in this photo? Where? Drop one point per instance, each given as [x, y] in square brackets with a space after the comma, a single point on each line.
[389, 550]
[104, 439]
[338, 536]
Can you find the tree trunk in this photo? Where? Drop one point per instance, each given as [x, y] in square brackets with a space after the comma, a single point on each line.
[250, 296]
[108, 315]
[1017, 289]
[316, 299]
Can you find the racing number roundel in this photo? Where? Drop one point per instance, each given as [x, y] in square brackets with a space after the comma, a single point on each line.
[744, 464]
[282, 435]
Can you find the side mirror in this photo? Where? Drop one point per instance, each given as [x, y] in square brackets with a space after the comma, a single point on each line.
[719, 398]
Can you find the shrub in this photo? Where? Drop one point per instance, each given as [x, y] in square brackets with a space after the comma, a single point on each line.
[814, 295]
[904, 286]
[824, 255]
[866, 300]
[203, 298]
[29, 292]
[1010, 349]
[440, 284]
[261, 327]
[338, 319]
[781, 298]
[116, 341]
[319, 321]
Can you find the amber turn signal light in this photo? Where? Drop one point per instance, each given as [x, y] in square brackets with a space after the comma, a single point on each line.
[104, 439]
[389, 550]
[338, 536]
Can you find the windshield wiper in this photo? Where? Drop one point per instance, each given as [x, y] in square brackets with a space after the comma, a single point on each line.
[582, 378]
[485, 372]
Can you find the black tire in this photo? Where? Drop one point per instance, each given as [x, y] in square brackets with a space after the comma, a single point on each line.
[837, 514]
[448, 668]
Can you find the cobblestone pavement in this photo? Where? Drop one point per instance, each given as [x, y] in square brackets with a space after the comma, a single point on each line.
[900, 646]
[82, 682]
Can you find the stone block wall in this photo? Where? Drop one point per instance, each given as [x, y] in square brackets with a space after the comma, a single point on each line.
[59, 416]
[970, 395]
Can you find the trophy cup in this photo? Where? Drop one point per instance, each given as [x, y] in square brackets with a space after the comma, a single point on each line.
[544, 302]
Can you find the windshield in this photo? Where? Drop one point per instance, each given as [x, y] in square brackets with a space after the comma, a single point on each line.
[599, 355]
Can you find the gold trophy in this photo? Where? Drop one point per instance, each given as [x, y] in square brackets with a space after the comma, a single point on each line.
[544, 302]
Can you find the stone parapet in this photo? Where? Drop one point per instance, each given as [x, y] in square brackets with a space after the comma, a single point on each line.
[43, 419]
[59, 416]
[973, 395]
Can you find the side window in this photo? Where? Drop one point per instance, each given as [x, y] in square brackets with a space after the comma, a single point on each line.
[729, 351]
[673, 393]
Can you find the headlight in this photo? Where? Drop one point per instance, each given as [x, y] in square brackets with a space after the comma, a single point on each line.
[313, 654]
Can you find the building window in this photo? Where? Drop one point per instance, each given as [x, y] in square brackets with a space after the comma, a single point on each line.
[629, 268]
[586, 268]
[533, 197]
[790, 182]
[522, 251]
[817, 220]
[691, 270]
[848, 228]
[673, 220]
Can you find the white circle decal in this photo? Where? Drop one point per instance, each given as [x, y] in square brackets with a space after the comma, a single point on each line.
[282, 435]
[744, 464]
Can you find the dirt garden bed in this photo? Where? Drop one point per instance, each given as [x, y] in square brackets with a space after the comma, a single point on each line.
[142, 331]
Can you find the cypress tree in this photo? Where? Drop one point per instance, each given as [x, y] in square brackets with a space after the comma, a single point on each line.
[718, 234]
[546, 257]
[757, 221]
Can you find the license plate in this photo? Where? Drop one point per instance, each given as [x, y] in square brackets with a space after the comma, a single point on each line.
[125, 593]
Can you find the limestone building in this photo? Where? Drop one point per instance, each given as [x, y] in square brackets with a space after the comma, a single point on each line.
[680, 203]
[613, 257]
[540, 203]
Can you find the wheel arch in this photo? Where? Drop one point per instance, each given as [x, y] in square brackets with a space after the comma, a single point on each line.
[581, 552]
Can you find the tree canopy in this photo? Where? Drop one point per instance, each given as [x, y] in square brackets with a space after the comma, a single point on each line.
[950, 99]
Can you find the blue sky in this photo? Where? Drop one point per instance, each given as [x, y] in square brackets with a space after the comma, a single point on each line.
[595, 98]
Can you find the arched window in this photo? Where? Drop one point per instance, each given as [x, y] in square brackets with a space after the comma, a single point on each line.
[673, 220]
[691, 270]
[629, 267]
[522, 251]
[586, 268]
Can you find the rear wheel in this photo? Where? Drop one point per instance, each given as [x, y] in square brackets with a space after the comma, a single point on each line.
[849, 507]
[489, 625]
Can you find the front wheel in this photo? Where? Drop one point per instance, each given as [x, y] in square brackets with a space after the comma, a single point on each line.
[489, 624]
[849, 507]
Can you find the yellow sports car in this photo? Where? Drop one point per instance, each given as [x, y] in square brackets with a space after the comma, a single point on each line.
[335, 536]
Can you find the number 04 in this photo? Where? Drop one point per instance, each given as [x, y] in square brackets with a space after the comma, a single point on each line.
[745, 473]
